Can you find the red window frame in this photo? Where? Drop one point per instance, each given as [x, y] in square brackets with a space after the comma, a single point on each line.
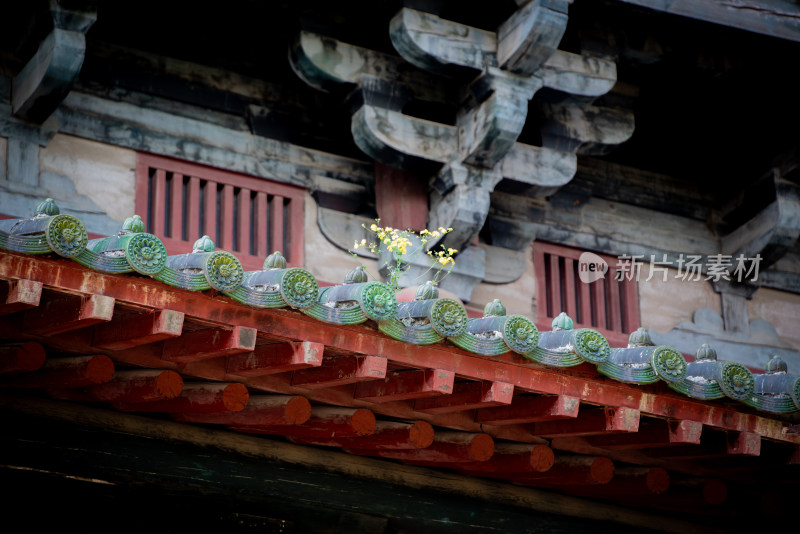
[246, 215]
[607, 305]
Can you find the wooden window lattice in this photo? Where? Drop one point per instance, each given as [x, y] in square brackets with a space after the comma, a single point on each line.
[608, 305]
[250, 217]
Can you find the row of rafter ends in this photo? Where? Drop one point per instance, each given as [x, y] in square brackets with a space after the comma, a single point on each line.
[427, 320]
[96, 378]
[157, 338]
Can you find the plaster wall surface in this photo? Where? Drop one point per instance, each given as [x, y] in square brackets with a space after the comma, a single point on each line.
[519, 297]
[325, 261]
[665, 304]
[781, 310]
[104, 175]
[3, 158]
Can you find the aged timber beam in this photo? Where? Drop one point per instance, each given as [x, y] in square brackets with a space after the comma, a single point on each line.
[341, 370]
[323, 422]
[66, 373]
[467, 396]
[326, 64]
[652, 433]
[389, 435]
[63, 313]
[772, 231]
[405, 385]
[16, 295]
[628, 482]
[568, 471]
[133, 386]
[21, 357]
[40, 87]
[531, 409]
[776, 18]
[447, 448]
[531, 35]
[126, 331]
[209, 343]
[196, 397]
[438, 45]
[491, 123]
[276, 358]
[584, 128]
[591, 422]
[510, 458]
[263, 410]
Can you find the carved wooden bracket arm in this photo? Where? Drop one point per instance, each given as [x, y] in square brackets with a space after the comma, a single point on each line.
[47, 78]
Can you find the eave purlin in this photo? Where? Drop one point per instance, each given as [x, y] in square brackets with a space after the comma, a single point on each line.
[65, 276]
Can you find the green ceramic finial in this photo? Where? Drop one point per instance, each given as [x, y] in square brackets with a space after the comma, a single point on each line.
[204, 244]
[494, 309]
[427, 291]
[275, 261]
[356, 276]
[705, 353]
[133, 224]
[776, 365]
[563, 322]
[639, 338]
[47, 206]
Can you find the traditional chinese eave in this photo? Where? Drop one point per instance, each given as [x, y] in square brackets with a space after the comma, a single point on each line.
[353, 389]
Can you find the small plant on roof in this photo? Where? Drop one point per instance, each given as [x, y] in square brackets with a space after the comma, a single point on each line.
[403, 244]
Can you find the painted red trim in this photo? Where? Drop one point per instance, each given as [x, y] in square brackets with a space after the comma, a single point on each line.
[608, 306]
[226, 203]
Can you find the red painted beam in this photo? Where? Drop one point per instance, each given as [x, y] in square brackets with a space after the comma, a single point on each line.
[17, 295]
[324, 422]
[21, 357]
[341, 370]
[531, 409]
[591, 422]
[521, 433]
[138, 386]
[628, 482]
[66, 313]
[196, 397]
[276, 358]
[129, 331]
[714, 444]
[67, 373]
[467, 396]
[694, 494]
[404, 385]
[447, 448]
[570, 471]
[263, 410]
[388, 435]
[652, 433]
[509, 458]
[744, 443]
[209, 343]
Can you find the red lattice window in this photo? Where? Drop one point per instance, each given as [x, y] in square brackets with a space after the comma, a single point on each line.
[608, 305]
[248, 216]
